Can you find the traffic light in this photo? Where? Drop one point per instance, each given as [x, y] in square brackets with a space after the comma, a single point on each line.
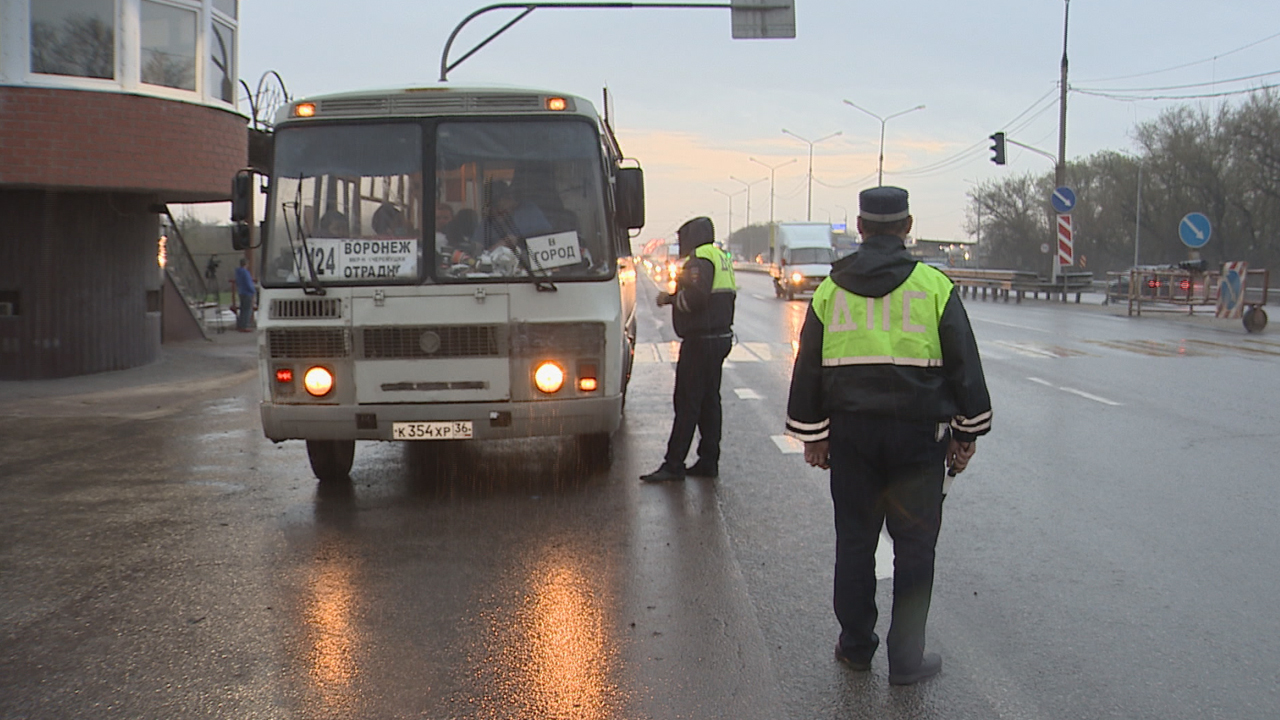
[997, 148]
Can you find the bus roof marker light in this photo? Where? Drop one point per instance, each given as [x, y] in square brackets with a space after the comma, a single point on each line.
[305, 109]
[557, 103]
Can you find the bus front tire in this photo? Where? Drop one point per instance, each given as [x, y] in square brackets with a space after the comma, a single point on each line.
[331, 459]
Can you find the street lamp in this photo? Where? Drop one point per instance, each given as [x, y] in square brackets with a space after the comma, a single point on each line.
[883, 120]
[730, 196]
[772, 168]
[747, 185]
[809, 211]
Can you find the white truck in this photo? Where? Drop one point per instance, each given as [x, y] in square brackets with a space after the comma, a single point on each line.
[801, 258]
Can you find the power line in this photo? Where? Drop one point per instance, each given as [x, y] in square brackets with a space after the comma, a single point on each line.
[1210, 83]
[1187, 65]
[1134, 98]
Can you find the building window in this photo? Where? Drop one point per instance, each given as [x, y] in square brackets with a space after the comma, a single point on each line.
[222, 63]
[226, 7]
[168, 46]
[74, 37]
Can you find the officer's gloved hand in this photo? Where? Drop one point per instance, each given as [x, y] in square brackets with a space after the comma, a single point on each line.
[664, 298]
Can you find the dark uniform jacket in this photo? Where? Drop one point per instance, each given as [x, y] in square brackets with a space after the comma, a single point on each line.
[955, 392]
[699, 309]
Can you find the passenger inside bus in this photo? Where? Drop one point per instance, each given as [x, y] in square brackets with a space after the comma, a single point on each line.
[390, 221]
[333, 224]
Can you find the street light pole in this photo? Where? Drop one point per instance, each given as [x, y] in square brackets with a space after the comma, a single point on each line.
[883, 120]
[747, 185]
[772, 169]
[730, 196]
[809, 211]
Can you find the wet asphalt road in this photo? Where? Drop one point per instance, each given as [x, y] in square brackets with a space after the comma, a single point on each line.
[1112, 551]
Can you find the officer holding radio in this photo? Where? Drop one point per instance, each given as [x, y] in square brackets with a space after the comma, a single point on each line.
[702, 314]
[888, 393]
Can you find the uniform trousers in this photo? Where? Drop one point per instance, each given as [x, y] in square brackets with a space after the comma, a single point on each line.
[697, 401]
[885, 472]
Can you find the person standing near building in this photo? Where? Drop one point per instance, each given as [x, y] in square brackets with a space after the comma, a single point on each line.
[887, 393]
[702, 314]
[246, 292]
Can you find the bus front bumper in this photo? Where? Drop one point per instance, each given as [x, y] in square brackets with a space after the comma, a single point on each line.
[489, 421]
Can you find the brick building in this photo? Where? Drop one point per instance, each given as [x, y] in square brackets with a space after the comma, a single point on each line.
[108, 110]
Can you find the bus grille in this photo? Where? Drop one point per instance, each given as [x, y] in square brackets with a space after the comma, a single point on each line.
[304, 308]
[308, 343]
[529, 339]
[432, 341]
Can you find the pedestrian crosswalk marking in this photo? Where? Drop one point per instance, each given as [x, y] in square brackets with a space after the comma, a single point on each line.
[747, 394]
[760, 349]
[787, 444]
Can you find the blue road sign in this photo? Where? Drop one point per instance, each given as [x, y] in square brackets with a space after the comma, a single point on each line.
[1230, 290]
[1063, 199]
[1195, 230]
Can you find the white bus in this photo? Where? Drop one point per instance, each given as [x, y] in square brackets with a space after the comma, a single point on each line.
[444, 263]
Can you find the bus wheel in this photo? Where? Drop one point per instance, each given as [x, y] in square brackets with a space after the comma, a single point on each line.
[595, 451]
[331, 459]
[1255, 319]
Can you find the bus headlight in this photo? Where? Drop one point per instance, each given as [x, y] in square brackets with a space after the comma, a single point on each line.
[318, 381]
[548, 377]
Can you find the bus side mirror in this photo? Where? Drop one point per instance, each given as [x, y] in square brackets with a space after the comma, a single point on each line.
[242, 197]
[241, 236]
[242, 210]
[630, 197]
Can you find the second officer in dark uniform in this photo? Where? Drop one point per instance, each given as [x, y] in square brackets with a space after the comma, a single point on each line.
[887, 391]
[702, 314]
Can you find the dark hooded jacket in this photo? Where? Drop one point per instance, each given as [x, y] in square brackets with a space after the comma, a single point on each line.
[956, 392]
[696, 311]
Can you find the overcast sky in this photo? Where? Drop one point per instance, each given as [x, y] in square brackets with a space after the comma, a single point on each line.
[692, 105]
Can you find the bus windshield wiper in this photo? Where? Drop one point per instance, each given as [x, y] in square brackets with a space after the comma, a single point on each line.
[310, 285]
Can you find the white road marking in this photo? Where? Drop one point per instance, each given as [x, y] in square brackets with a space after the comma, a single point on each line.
[1025, 349]
[1012, 325]
[742, 354]
[787, 444]
[747, 394]
[760, 349]
[1073, 391]
[1089, 396]
[668, 351]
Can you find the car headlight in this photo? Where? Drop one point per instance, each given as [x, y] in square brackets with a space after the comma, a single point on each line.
[796, 278]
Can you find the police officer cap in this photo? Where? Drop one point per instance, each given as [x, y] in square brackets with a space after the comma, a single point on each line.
[883, 204]
[698, 231]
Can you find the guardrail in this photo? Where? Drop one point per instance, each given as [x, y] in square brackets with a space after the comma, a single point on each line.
[1018, 283]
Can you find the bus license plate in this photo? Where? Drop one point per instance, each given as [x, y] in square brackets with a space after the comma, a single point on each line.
[446, 430]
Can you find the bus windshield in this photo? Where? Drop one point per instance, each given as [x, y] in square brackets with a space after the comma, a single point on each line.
[520, 199]
[352, 196]
[511, 200]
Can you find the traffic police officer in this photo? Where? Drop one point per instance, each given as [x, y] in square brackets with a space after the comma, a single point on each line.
[702, 314]
[887, 392]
